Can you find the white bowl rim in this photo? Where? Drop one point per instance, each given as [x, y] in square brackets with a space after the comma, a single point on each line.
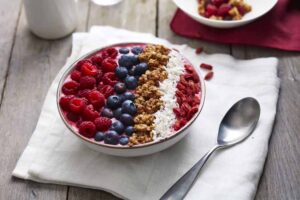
[229, 22]
[67, 72]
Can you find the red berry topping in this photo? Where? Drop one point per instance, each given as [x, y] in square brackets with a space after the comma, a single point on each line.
[199, 50]
[89, 69]
[96, 98]
[192, 112]
[89, 113]
[109, 65]
[189, 68]
[99, 76]
[70, 87]
[80, 63]
[97, 59]
[87, 129]
[73, 117]
[87, 82]
[84, 93]
[106, 90]
[75, 75]
[209, 75]
[224, 9]
[110, 52]
[64, 102]
[102, 123]
[206, 66]
[217, 2]
[109, 78]
[76, 105]
[211, 10]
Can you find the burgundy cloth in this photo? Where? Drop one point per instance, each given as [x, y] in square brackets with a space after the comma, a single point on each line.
[280, 28]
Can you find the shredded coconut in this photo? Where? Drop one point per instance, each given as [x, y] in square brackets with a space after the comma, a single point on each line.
[165, 118]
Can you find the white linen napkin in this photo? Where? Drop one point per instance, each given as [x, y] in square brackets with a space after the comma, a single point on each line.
[54, 155]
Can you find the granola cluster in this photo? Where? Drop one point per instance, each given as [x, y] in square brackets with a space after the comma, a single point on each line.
[147, 96]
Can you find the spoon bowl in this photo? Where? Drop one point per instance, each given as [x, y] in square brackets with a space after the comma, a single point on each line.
[238, 123]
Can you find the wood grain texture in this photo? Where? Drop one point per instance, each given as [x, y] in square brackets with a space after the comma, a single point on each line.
[34, 64]
[7, 35]
[135, 15]
[281, 177]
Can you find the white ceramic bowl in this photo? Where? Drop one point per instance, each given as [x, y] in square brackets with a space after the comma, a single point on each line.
[259, 8]
[126, 151]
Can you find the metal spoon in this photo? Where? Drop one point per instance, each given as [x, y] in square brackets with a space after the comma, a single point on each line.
[238, 123]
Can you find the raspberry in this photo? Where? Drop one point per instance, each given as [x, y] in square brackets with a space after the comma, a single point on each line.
[87, 129]
[83, 93]
[109, 65]
[180, 86]
[75, 75]
[176, 126]
[87, 82]
[89, 113]
[211, 10]
[97, 59]
[102, 123]
[106, 90]
[96, 98]
[186, 107]
[64, 102]
[73, 117]
[76, 105]
[224, 9]
[208, 76]
[99, 76]
[110, 52]
[189, 68]
[206, 66]
[192, 112]
[70, 87]
[176, 112]
[217, 2]
[89, 69]
[80, 63]
[199, 50]
[195, 77]
[109, 78]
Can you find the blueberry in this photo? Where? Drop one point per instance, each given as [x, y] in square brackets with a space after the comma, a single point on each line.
[129, 130]
[117, 126]
[118, 113]
[124, 50]
[111, 137]
[128, 96]
[131, 71]
[131, 82]
[120, 88]
[128, 107]
[121, 72]
[137, 50]
[128, 61]
[106, 112]
[113, 101]
[99, 136]
[123, 140]
[126, 119]
[140, 69]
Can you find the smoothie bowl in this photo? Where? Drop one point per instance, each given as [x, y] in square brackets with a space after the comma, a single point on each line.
[130, 99]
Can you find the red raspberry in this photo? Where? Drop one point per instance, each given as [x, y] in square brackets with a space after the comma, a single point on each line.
[64, 102]
[87, 129]
[75, 75]
[87, 82]
[97, 59]
[102, 123]
[96, 98]
[109, 65]
[106, 90]
[176, 111]
[110, 52]
[70, 87]
[109, 78]
[217, 2]
[99, 76]
[224, 9]
[180, 87]
[84, 93]
[208, 76]
[176, 126]
[189, 68]
[192, 112]
[80, 63]
[73, 117]
[186, 107]
[77, 105]
[211, 10]
[89, 113]
[89, 69]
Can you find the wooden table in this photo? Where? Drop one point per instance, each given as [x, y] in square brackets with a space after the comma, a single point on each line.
[29, 64]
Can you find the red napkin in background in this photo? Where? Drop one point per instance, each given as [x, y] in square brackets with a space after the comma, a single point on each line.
[280, 28]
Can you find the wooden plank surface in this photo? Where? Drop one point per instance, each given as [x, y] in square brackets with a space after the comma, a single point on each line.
[34, 64]
[281, 177]
[28, 62]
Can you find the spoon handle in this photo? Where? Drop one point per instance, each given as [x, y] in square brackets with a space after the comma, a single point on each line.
[183, 185]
